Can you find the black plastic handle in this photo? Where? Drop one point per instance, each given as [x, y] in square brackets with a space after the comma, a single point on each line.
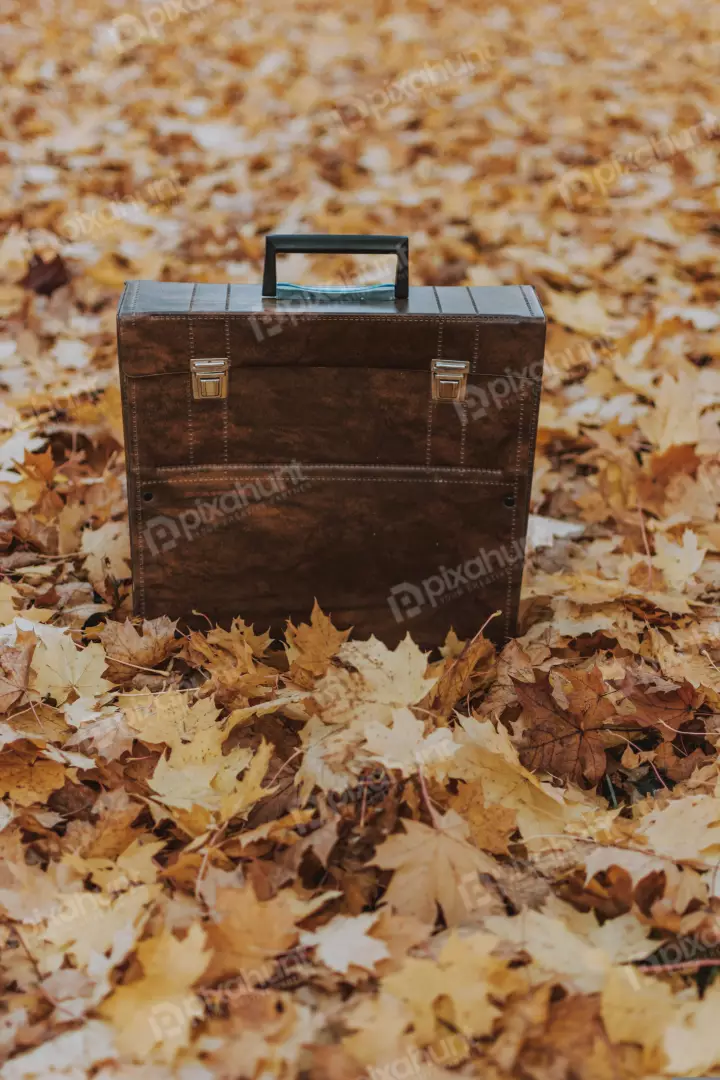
[307, 244]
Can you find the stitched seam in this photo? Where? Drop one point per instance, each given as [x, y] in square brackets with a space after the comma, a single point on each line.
[536, 397]
[463, 430]
[473, 364]
[133, 303]
[191, 433]
[527, 302]
[134, 449]
[428, 438]
[264, 466]
[139, 542]
[476, 349]
[377, 317]
[188, 385]
[431, 403]
[226, 413]
[513, 526]
[338, 480]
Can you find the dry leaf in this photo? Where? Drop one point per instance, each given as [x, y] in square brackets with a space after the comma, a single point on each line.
[311, 646]
[128, 651]
[433, 867]
[15, 669]
[345, 941]
[61, 669]
[156, 1011]
[254, 778]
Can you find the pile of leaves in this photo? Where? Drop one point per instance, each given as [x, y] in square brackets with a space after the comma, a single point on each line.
[226, 856]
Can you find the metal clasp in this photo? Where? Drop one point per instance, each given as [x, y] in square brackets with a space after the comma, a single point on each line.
[449, 380]
[209, 377]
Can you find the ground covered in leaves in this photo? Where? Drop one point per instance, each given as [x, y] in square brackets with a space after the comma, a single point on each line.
[228, 857]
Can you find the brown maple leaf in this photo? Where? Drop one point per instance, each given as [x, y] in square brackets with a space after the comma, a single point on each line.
[566, 741]
[664, 711]
[129, 650]
[311, 646]
[680, 768]
[45, 277]
[15, 668]
[461, 673]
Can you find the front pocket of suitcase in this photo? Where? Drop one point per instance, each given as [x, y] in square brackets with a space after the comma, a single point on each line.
[322, 415]
[489, 429]
[386, 550]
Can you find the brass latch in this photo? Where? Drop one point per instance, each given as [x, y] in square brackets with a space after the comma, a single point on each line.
[210, 377]
[449, 380]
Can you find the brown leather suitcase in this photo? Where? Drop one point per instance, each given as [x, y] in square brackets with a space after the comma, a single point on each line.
[368, 447]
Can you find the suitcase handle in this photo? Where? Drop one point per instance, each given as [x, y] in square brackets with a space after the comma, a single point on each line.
[309, 244]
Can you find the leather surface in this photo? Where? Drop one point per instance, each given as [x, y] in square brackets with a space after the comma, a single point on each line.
[164, 297]
[395, 491]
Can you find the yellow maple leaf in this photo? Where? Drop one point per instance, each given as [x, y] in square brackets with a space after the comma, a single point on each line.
[311, 646]
[688, 828]
[209, 781]
[191, 731]
[675, 420]
[678, 562]
[375, 681]
[570, 945]
[692, 1040]
[238, 637]
[29, 780]
[186, 786]
[488, 755]
[636, 1007]
[344, 941]
[579, 311]
[403, 745]
[88, 923]
[155, 1012]
[457, 986]
[249, 789]
[11, 607]
[380, 1029]
[434, 867]
[247, 934]
[107, 551]
[61, 668]
[490, 825]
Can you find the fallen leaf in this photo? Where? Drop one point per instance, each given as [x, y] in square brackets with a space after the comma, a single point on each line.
[566, 742]
[311, 646]
[247, 934]
[156, 1011]
[127, 650]
[434, 867]
[345, 941]
[15, 669]
[60, 669]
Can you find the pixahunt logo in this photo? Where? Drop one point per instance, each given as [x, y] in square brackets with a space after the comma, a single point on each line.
[408, 600]
[163, 533]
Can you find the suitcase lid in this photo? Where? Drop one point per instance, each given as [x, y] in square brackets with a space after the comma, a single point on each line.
[160, 298]
[273, 306]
